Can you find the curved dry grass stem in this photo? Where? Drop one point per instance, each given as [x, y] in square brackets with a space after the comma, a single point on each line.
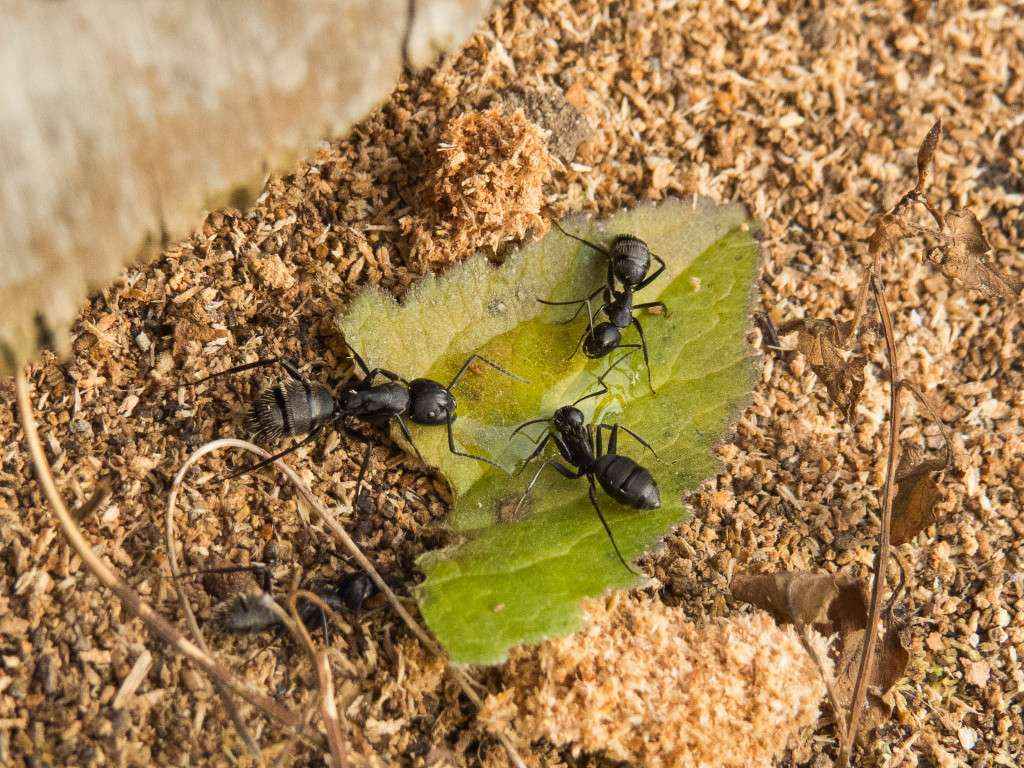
[154, 621]
[190, 617]
[339, 532]
[867, 658]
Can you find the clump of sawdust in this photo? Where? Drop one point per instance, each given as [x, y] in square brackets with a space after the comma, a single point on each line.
[485, 185]
[642, 685]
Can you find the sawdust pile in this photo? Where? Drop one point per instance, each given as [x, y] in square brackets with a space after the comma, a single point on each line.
[641, 684]
[486, 184]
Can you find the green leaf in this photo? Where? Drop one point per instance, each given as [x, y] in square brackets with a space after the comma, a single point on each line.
[512, 581]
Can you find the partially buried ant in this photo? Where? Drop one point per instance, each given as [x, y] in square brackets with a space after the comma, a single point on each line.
[629, 260]
[580, 445]
[297, 407]
[252, 612]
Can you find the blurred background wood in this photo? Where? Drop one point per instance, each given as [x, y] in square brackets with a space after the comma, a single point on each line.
[122, 122]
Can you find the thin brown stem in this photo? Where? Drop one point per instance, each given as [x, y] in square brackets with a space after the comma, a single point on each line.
[867, 658]
[154, 621]
[325, 681]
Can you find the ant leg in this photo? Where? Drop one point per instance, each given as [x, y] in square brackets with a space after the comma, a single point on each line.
[287, 363]
[281, 454]
[482, 359]
[408, 436]
[579, 309]
[534, 453]
[643, 346]
[572, 301]
[653, 276]
[367, 381]
[457, 452]
[370, 374]
[357, 357]
[649, 304]
[600, 380]
[563, 470]
[612, 440]
[363, 466]
[595, 246]
[611, 538]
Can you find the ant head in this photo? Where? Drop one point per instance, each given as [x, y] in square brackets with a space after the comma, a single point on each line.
[601, 339]
[568, 418]
[431, 403]
[631, 258]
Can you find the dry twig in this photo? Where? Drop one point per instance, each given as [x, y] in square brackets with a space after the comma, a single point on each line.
[190, 617]
[867, 658]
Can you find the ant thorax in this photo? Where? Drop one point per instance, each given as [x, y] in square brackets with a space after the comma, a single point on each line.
[620, 311]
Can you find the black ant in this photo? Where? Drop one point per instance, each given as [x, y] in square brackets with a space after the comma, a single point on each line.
[580, 445]
[252, 612]
[629, 259]
[297, 406]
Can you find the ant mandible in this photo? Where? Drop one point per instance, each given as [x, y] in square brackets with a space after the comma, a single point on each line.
[580, 446]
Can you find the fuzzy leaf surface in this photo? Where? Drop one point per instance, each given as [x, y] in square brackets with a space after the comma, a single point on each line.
[519, 578]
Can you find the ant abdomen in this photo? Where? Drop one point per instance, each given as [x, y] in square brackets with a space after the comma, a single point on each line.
[289, 409]
[631, 258]
[246, 613]
[601, 339]
[627, 482]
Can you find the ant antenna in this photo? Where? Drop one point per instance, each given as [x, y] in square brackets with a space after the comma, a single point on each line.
[595, 246]
[518, 429]
[600, 380]
[482, 359]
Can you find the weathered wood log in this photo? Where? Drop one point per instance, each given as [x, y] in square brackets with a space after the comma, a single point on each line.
[121, 122]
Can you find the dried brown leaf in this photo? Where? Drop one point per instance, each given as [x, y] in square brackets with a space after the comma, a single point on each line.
[806, 599]
[845, 385]
[963, 257]
[822, 342]
[890, 663]
[835, 606]
[917, 494]
[889, 229]
[926, 157]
